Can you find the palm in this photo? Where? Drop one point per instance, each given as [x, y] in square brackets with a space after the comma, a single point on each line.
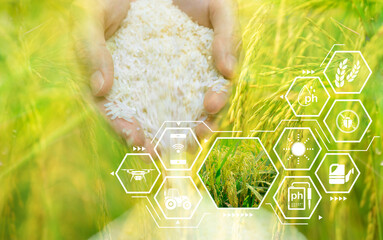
[116, 11]
[197, 10]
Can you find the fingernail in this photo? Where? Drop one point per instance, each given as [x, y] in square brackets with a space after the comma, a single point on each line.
[97, 82]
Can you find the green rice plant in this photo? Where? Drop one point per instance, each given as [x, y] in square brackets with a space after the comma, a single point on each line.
[282, 39]
[237, 173]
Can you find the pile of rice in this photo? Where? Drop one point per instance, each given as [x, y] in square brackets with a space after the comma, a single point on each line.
[163, 66]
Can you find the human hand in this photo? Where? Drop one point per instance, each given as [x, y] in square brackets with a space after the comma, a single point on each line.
[105, 19]
[219, 15]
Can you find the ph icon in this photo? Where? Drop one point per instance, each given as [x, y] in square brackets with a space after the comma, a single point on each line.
[307, 96]
[298, 195]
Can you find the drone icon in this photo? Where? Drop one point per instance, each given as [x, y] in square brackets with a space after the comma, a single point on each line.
[138, 175]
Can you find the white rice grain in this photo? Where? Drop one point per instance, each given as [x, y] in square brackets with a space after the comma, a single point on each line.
[162, 66]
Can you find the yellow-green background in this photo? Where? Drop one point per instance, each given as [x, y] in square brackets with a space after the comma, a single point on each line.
[56, 151]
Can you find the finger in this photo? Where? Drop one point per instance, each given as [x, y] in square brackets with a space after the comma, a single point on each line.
[101, 64]
[150, 148]
[116, 12]
[214, 101]
[225, 27]
[90, 47]
[203, 132]
[130, 130]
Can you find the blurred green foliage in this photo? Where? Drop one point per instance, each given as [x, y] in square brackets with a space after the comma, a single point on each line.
[56, 151]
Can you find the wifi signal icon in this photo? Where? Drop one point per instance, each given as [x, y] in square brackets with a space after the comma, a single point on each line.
[178, 147]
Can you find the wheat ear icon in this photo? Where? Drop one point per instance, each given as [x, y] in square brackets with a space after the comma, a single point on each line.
[340, 73]
[354, 72]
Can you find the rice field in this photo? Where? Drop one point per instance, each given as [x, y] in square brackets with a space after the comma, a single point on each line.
[237, 173]
[57, 151]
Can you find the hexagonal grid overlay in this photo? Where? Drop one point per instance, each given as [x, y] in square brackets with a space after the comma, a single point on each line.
[253, 156]
[178, 149]
[297, 197]
[178, 197]
[307, 96]
[339, 174]
[297, 148]
[347, 72]
[347, 120]
[136, 176]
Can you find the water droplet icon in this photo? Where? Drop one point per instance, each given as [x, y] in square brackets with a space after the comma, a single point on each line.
[305, 92]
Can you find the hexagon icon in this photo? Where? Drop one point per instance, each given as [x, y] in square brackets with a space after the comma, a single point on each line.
[297, 197]
[337, 173]
[307, 96]
[347, 72]
[232, 170]
[347, 120]
[178, 149]
[137, 173]
[297, 148]
[178, 197]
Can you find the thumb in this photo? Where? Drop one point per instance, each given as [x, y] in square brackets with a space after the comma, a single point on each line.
[101, 67]
[90, 47]
[224, 22]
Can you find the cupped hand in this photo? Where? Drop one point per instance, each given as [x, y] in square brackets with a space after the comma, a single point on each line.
[220, 15]
[105, 18]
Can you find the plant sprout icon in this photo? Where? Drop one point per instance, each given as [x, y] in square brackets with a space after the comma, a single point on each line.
[341, 73]
[298, 148]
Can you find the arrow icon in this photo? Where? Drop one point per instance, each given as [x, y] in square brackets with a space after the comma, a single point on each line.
[112, 173]
[281, 96]
[320, 217]
[178, 222]
[178, 123]
[139, 148]
[338, 198]
[308, 71]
